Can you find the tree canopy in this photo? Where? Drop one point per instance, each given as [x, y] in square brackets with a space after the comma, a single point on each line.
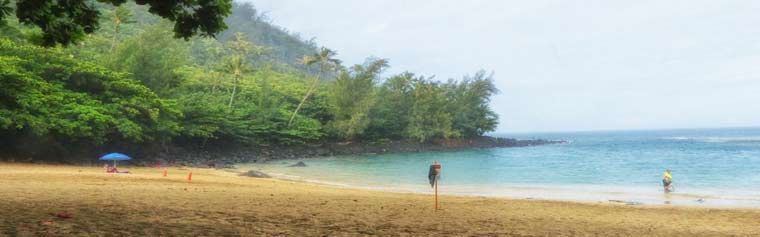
[48, 95]
[66, 22]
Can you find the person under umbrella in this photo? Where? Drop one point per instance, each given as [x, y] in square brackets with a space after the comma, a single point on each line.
[115, 157]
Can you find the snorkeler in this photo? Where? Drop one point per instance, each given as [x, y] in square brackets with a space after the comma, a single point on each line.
[667, 181]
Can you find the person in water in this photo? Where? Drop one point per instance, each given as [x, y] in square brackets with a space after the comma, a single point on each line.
[667, 181]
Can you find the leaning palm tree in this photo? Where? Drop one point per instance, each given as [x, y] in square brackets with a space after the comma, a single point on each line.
[324, 59]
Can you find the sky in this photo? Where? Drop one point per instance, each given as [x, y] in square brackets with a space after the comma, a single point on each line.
[561, 65]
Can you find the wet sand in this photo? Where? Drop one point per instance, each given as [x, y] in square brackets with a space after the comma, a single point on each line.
[218, 203]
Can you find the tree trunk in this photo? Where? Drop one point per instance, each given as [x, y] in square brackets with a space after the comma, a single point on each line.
[115, 34]
[303, 101]
[215, 77]
[234, 89]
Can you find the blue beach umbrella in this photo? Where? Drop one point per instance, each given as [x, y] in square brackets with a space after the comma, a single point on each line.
[115, 157]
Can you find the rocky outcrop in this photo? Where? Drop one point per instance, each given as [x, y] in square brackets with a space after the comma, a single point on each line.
[299, 164]
[255, 174]
[224, 157]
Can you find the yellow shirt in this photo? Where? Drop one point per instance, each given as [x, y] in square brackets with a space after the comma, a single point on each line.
[667, 176]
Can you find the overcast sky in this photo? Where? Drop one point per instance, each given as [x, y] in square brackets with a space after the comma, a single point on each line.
[561, 65]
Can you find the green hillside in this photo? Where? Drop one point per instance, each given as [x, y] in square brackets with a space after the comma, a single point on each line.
[132, 84]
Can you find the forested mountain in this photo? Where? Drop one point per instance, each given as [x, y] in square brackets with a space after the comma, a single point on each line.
[276, 46]
[132, 84]
[282, 47]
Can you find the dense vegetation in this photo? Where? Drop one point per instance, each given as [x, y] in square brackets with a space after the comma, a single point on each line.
[133, 84]
[66, 22]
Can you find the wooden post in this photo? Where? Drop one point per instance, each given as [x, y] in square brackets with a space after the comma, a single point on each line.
[434, 173]
[436, 193]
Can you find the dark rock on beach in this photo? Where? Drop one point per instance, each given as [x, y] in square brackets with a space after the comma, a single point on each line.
[299, 164]
[255, 174]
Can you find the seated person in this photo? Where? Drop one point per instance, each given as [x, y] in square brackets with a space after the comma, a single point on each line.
[115, 170]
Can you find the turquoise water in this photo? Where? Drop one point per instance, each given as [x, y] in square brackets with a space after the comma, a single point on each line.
[712, 167]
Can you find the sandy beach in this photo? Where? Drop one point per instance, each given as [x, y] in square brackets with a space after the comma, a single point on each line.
[219, 202]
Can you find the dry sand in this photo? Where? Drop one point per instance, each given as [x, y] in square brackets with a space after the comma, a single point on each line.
[220, 203]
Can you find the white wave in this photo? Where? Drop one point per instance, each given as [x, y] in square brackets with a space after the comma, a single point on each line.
[735, 139]
[677, 138]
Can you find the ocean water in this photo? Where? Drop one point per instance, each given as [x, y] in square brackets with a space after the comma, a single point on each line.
[711, 167]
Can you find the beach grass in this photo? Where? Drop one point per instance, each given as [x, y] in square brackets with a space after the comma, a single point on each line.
[221, 203]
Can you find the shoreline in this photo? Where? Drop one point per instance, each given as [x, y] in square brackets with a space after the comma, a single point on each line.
[544, 193]
[213, 156]
[218, 203]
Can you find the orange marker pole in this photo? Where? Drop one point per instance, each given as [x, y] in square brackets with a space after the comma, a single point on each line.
[434, 175]
[165, 172]
[436, 167]
[190, 177]
[436, 194]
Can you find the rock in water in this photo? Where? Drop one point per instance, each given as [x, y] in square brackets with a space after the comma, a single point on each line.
[299, 164]
[256, 174]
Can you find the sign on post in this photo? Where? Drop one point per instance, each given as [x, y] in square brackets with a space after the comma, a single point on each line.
[434, 173]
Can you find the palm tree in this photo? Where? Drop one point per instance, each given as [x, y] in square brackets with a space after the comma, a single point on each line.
[324, 58]
[121, 15]
[237, 64]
